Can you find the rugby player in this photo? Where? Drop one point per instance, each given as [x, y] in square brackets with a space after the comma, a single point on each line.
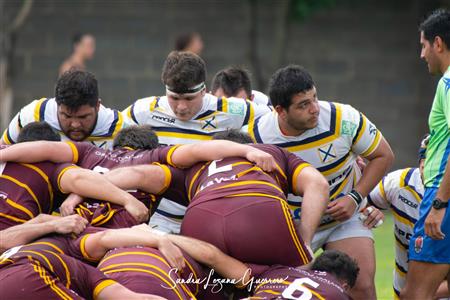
[330, 136]
[235, 82]
[428, 254]
[186, 115]
[75, 113]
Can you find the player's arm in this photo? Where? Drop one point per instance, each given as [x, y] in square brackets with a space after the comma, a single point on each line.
[188, 155]
[148, 178]
[38, 151]
[97, 244]
[90, 184]
[40, 226]
[314, 188]
[210, 255]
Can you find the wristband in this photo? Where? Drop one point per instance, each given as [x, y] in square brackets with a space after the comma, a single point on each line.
[356, 196]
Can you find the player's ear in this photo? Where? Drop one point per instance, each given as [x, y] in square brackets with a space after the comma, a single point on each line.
[282, 112]
[438, 44]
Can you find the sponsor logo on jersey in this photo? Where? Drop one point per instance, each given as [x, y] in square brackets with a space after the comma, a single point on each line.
[236, 108]
[209, 124]
[418, 244]
[372, 129]
[164, 119]
[348, 128]
[327, 153]
[408, 202]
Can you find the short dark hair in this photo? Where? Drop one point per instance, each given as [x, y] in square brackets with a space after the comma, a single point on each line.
[234, 135]
[182, 71]
[77, 37]
[338, 264]
[437, 24]
[38, 131]
[183, 40]
[288, 81]
[76, 88]
[140, 137]
[231, 80]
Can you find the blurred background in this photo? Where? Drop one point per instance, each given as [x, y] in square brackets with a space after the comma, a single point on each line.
[361, 52]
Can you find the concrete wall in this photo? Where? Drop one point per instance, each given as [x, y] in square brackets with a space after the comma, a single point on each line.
[365, 53]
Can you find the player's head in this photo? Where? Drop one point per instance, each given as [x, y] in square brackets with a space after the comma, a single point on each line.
[294, 97]
[184, 75]
[189, 41]
[76, 94]
[140, 137]
[84, 45]
[232, 82]
[338, 264]
[234, 135]
[435, 40]
[38, 131]
[422, 153]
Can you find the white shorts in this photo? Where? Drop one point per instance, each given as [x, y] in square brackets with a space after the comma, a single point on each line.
[351, 228]
[168, 216]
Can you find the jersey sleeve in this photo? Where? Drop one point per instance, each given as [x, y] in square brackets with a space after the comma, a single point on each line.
[365, 137]
[444, 91]
[163, 155]
[138, 112]
[174, 187]
[56, 175]
[294, 167]
[80, 150]
[385, 191]
[11, 133]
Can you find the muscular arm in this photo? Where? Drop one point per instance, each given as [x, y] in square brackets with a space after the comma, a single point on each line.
[188, 155]
[378, 164]
[314, 189]
[211, 256]
[148, 178]
[90, 184]
[31, 152]
[37, 227]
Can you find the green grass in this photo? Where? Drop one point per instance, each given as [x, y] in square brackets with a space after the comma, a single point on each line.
[384, 248]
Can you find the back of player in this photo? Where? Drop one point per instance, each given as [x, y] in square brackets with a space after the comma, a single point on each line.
[145, 270]
[240, 202]
[293, 283]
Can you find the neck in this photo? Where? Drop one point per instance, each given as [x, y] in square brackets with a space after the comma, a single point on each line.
[288, 130]
[445, 62]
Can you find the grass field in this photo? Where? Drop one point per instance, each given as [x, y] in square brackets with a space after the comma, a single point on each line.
[384, 247]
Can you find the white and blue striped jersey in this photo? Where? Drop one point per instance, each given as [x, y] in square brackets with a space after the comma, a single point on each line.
[400, 191]
[332, 147]
[109, 122]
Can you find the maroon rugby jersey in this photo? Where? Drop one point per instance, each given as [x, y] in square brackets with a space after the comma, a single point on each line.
[27, 190]
[233, 177]
[295, 282]
[145, 270]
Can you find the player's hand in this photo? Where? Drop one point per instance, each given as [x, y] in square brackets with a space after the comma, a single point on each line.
[70, 224]
[262, 159]
[371, 217]
[342, 208]
[171, 252]
[68, 206]
[137, 210]
[433, 224]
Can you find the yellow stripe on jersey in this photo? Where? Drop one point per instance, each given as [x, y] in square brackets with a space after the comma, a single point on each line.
[337, 132]
[12, 218]
[128, 112]
[399, 272]
[83, 249]
[401, 219]
[101, 286]
[293, 231]
[189, 136]
[374, 145]
[20, 207]
[249, 182]
[167, 177]
[297, 171]
[40, 255]
[102, 219]
[193, 273]
[45, 177]
[61, 174]
[26, 187]
[403, 184]
[194, 178]
[363, 129]
[251, 119]
[50, 282]
[75, 154]
[224, 104]
[341, 187]
[5, 137]
[37, 110]
[169, 155]
[134, 253]
[382, 192]
[66, 269]
[47, 244]
[149, 272]
[153, 104]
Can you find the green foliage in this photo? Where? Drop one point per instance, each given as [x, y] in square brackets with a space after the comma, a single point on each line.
[301, 9]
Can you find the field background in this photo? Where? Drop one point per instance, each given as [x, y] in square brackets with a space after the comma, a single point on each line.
[384, 247]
